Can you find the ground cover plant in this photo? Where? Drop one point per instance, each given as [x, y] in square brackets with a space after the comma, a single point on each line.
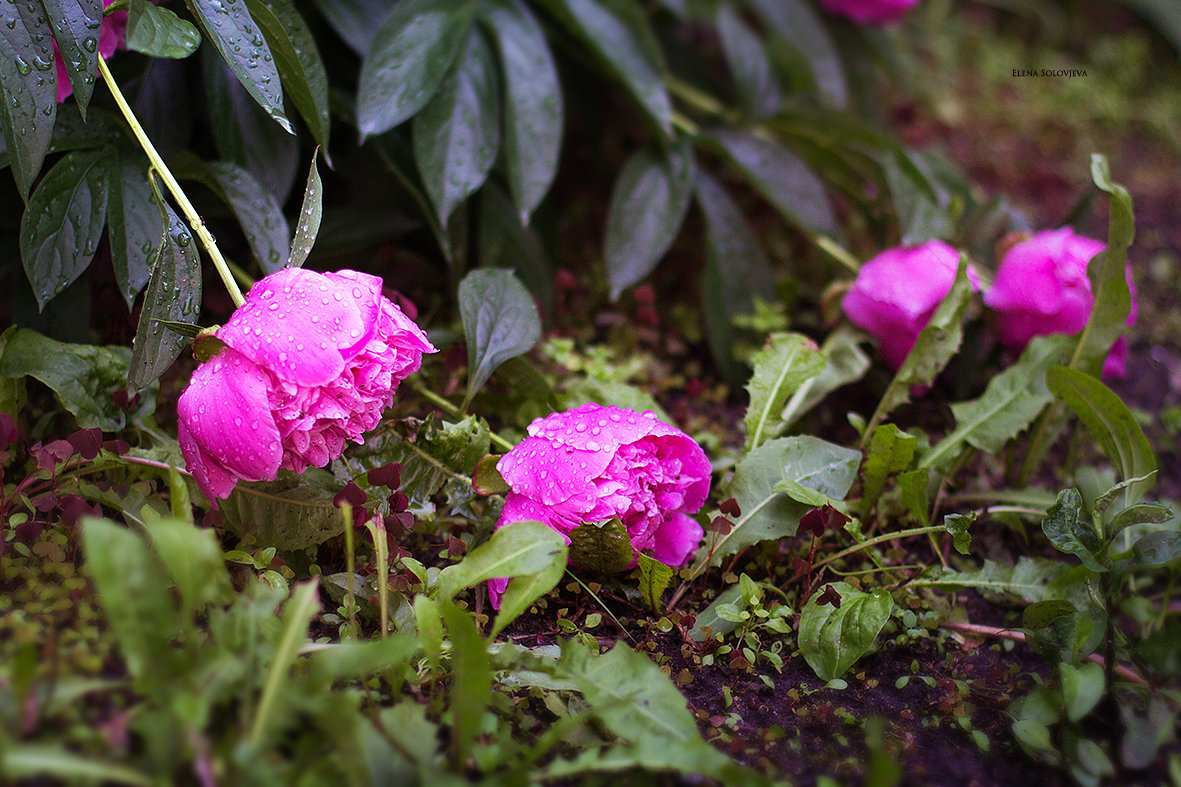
[450, 391]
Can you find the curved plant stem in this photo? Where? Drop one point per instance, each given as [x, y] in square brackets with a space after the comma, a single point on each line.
[191, 215]
[869, 542]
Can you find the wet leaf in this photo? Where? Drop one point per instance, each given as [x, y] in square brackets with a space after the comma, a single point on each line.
[292, 512]
[648, 205]
[1070, 529]
[797, 23]
[63, 223]
[654, 579]
[310, 213]
[77, 27]
[1082, 688]
[1157, 549]
[503, 242]
[832, 639]
[158, 32]
[134, 222]
[748, 64]
[780, 368]
[28, 82]
[500, 321]
[601, 547]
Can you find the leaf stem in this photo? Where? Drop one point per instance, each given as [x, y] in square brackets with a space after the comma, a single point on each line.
[194, 219]
[455, 411]
[914, 531]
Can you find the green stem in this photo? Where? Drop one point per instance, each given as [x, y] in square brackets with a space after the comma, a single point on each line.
[914, 531]
[454, 411]
[194, 219]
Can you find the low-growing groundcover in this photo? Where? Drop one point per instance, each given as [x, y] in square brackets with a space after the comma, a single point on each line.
[928, 553]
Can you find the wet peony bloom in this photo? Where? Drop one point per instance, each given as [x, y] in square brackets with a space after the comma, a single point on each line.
[597, 462]
[898, 291]
[869, 12]
[113, 37]
[1042, 287]
[312, 361]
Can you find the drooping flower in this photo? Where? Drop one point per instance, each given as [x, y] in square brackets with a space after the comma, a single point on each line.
[869, 12]
[113, 36]
[311, 361]
[896, 293]
[1041, 287]
[596, 462]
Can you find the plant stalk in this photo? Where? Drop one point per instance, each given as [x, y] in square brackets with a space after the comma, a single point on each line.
[190, 213]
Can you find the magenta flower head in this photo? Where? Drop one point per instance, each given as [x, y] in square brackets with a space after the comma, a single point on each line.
[113, 37]
[597, 462]
[311, 361]
[1042, 287]
[896, 293]
[869, 12]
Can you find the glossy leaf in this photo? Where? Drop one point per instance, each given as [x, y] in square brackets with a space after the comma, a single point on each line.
[654, 578]
[1069, 528]
[1029, 579]
[1157, 549]
[517, 549]
[617, 32]
[797, 22]
[748, 64]
[814, 463]
[354, 20]
[891, 451]
[1009, 404]
[235, 34]
[158, 32]
[28, 82]
[407, 61]
[457, 134]
[64, 221]
[310, 214]
[1110, 424]
[173, 294]
[736, 271]
[258, 213]
[163, 106]
[134, 221]
[783, 178]
[83, 376]
[500, 321]
[533, 109]
[780, 367]
[832, 639]
[297, 58]
[601, 547]
[503, 242]
[648, 205]
[77, 27]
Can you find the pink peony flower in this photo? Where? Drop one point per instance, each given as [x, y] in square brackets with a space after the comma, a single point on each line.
[1042, 287]
[869, 12]
[312, 360]
[897, 291]
[113, 37]
[596, 462]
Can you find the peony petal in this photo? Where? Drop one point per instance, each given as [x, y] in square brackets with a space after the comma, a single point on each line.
[496, 588]
[519, 508]
[676, 539]
[214, 481]
[226, 411]
[303, 326]
[554, 474]
[595, 427]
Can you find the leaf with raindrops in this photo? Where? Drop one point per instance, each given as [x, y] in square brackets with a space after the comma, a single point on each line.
[134, 224]
[298, 60]
[309, 218]
[64, 221]
[77, 27]
[28, 82]
[173, 295]
[156, 31]
[237, 37]
[500, 321]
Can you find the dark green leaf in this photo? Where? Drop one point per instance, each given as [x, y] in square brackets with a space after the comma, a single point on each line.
[1082, 688]
[914, 494]
[500, 321]
[158, 32]
[1042, 613]
[1070, 529]
[457, 134]
[831, 639]
[135, 227]
[748, 63]
[28, 84]
[1009, 404]
[1162, 649]
[890, 451]
[163, 106]
[780, 176]
[780, 368]
[654, 578]
[809, 461]
[618, 34]
[77, 27]
[310, 213]
[504, 243]
[408, 59]
[580, 390]
[244, 134]
[1139, 514]
[298, 60]
[82, 375]
[174, 295]
[533, 103]
[736, 271]
[64, 221]
[291, 512]
[647, 207]
[471, 689]
[237, 37]
[601, 547]
[487, 479]
[797, 22]
[844, 363]
[920, 216]
[354, 20]
[1110, 423]
[1157, 549]
[957, 525]
[257, 211]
